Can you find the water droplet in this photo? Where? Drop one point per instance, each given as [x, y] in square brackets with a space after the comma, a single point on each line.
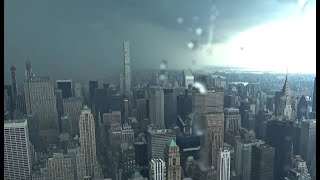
[194, 62]
[180, 20]
[202, 89]
[192, 44]
[163, 65]
[199, 31]
[162, 77]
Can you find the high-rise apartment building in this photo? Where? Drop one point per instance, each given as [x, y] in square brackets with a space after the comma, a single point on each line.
[127, 69]
[88, 140]
[156, 106]
[157, 169]
[17, 152]
[262, 162]
[41, 101]
[72, 108]
[224, 165]
[308, 140]
[232, 119]
[66, 87]
[156, 141]
[172, 161]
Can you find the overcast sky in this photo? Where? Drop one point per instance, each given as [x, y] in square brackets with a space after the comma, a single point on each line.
[81, 39]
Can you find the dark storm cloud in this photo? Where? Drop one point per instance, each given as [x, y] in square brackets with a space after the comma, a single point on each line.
[82, 38]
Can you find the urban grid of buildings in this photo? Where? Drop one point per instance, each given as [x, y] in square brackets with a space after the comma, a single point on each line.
[167, 125]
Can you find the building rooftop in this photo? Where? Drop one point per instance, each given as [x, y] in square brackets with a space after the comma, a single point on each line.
[171, 143]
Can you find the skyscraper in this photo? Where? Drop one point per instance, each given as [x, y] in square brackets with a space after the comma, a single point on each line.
[66, 87]
[142, 109]
[157, 169]
[279, 135]
[72, 108]
[156, 106]
[243, 158]
[127, 70]
[172, 161]
[92, 86]
[184, 105]
[314, 97]
[170, 108]
[28, 69]
[156, 140]
[127, 135]
[88, 140]
[77, 90]
[17, 154]
[14, 81]
[232, 119]
[209, 119]
[224, 165]
[127, 160]
[58, 166]
[262, 162]
[188, 78]
[41, 101]
[308, 140]
[302, 109]
[214, 136]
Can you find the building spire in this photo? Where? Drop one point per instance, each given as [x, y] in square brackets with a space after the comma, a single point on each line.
[285, 87]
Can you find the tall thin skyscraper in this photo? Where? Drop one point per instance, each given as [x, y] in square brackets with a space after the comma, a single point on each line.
[14, 81]
[17, 154]
[88, 140]
[224, 165]
[41, 101]
[127, 71]
[28, 69]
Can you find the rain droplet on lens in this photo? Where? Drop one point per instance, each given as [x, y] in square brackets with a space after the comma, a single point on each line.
[162, 77]
[194, 62]
[163, 65]
[192, 44]
[180, 20]
[199, 31]
[195, 18]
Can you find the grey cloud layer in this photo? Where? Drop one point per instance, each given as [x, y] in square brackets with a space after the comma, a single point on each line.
[81, 38]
